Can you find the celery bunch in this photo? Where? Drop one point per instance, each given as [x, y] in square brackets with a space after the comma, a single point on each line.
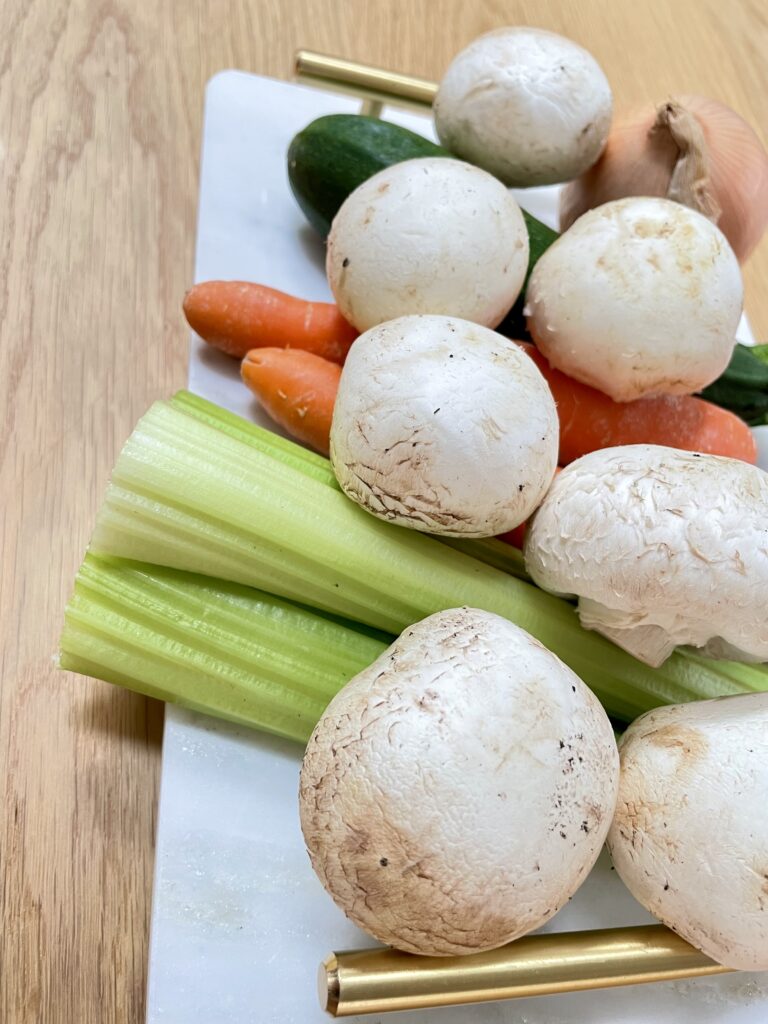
[201, 490]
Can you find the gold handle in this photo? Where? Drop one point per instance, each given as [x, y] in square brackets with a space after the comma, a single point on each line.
[381, 980]
[375, 85]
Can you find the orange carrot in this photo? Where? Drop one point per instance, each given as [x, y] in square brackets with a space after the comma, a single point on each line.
[297, 389]
[515, 537]
[237, 316]
[590, 420]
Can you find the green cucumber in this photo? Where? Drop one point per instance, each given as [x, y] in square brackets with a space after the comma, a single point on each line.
[743, 386]
[336, 153]
[540, 237]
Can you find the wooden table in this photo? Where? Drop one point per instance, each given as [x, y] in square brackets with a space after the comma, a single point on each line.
[100, 114]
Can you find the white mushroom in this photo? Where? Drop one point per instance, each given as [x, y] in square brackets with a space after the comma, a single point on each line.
[432, 235]
[639, 297]
[529, 106]
[456, 793]
[662, 547]
[443, 426]
[690, 836]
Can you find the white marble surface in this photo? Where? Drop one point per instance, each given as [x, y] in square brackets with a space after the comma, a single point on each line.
[239, 921]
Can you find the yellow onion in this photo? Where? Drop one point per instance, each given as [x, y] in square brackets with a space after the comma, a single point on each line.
[691, 149]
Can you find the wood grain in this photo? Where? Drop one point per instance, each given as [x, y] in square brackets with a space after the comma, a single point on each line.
[100, 114]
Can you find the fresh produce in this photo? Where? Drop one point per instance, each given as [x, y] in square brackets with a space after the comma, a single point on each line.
[590, 420]
[411, 800]
[492, 551]
[264, 441]
[540, 237]
[212, 646]
[693, 150]
[457, 791]
[743, 387]
[199, 489]
[427, 236]
[488, 550]
[336, 153]
[443, 426]
[515, 537]
[297, 389]
[640, 297]
[690, 836]
[529, 106]
[662, 548]
[237, 316]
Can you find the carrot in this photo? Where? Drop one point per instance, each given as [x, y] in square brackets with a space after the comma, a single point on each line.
[515, 537]
[590, 420]
[297, 389]
[237, 316]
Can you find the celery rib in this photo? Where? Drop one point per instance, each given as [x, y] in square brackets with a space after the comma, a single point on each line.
[209, 645]
[189, 493]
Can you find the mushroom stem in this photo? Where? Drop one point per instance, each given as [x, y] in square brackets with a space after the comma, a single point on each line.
[646, 641]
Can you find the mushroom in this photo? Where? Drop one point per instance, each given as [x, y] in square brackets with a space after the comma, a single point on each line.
[690, 835]
[529, 106]
[662, 548]
[443, 426]
[432, 235]
[456, 793]
[639, 297]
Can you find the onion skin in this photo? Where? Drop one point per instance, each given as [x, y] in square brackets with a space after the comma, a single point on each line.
[641, 156]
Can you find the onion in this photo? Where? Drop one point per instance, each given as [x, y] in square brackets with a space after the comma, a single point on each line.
[693, 150]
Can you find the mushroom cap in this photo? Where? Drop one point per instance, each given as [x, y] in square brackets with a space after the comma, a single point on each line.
[456, 793]
[662, 547]
[639, 297]
[432, 235]
[443, 426]
[690, 835]
[529, 106]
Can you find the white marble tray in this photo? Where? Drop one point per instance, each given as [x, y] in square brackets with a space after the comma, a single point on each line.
[239, 921]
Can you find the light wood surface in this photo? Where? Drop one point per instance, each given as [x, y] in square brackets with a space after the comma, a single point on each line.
[100, 115]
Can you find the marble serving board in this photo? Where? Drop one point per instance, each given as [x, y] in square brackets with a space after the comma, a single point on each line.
[239, 920]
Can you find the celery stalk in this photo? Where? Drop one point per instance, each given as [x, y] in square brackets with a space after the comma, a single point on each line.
[310, 463]
[491, 551]
[212, 646]
[188, 494]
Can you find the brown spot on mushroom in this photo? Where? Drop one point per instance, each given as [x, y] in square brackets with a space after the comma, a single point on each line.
[647, 228]
[690, 742]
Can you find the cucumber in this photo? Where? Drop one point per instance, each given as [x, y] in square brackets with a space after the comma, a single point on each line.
[338, 152]
[743, 385]
[540, 237]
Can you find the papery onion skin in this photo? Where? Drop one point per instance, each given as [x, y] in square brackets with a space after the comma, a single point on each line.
[638, 161]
